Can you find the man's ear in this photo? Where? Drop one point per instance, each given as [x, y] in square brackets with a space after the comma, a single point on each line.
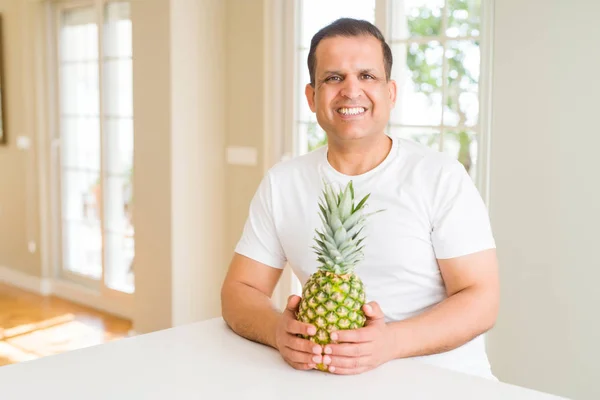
[392, 88]
[309, 91]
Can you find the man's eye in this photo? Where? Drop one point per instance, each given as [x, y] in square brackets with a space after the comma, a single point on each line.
[367, 76]
[333, 78]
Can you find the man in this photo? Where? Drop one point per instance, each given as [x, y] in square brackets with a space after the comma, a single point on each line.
[430, 267]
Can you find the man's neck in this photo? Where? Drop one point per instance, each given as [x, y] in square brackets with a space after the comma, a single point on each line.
[359, 157]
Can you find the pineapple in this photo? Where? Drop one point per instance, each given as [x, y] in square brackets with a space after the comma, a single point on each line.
[333, 297]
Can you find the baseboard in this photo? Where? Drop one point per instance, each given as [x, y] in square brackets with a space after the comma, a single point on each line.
[117, 304]
[25, 281]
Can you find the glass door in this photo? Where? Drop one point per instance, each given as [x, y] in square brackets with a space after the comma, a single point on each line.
[96, 145]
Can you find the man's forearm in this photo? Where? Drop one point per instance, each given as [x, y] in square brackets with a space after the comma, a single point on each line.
[448, 325]
[250, 313]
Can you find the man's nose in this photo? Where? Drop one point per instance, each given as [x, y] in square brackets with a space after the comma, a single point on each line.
[351, 88]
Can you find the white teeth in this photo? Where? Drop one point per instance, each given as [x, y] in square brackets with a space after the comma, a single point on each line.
[351, 111]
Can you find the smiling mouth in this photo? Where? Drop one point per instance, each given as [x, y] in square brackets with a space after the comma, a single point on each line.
[351, 111]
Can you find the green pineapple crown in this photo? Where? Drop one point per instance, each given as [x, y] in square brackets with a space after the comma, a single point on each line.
[339, 247]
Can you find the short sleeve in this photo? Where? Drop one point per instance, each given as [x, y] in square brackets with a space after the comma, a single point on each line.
[259, 240]
[461, 223]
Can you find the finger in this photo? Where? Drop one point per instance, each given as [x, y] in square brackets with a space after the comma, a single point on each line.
[349, 349]
[301, 366]
[347, 362]
[347, 371]
[303, 345]
[373, 311]
[361, 335]
[293, 303]
[300, 357]
[296, 327]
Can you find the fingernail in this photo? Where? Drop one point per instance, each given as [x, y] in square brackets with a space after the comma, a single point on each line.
[368, 309]
[326, 360]
[311, 365]
[327, 350]
[317, 350]
[331, 368]
[312, 330]
[317, 359]
[334, 336]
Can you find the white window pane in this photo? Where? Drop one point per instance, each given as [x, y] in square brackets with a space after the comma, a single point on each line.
[82, 249]
[80, 143]
[418, 73]
[118, 118]
[304, 113]
[78, 35]
[70, 76]
[91, 43]
[118, 203]
[462, 105]
[416, 18]
[426, 136]
[316, 14]
[81, 196]
[119, 145]
[118, 87]
[82, 238]
[311, 134]
[120, 254]
[79, 88]
[91, 96]
[462, 145]
[119, 232]
[117, 30]
[464, 18]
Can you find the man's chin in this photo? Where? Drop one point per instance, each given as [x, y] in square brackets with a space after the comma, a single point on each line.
[351, 135]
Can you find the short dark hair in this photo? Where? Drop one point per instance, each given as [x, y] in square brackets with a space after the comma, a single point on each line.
[348, 27]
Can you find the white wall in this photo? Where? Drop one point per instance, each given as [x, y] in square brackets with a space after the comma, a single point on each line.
[19, 201]
[198, 156]
[545, 194]
[179, 108]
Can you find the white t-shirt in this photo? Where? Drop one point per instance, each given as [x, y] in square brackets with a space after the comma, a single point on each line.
[432, 210]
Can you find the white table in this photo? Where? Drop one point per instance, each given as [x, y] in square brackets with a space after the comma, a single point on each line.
[206, 360]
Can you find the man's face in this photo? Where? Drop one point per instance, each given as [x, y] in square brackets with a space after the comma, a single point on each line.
[351, 97]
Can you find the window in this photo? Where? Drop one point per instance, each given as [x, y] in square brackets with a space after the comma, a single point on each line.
[96, 135]
[437, 62]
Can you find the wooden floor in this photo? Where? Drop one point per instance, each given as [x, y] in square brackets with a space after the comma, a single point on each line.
[33, 326]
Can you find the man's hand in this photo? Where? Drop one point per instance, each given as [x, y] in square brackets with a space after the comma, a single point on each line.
[360, 350]
[298, 352]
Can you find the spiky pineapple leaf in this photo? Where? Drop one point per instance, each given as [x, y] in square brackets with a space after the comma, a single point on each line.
[352, 220]
[321, 244]
[340, 236]
[362, 202]
[334, 220]
[330, 198]
[324, 213]
[346, 204]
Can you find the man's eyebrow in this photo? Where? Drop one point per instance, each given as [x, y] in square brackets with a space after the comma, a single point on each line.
[332, 72]
[362, 71]
[368, 71]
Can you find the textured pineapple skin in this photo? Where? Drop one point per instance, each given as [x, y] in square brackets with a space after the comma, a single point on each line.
[332, 302]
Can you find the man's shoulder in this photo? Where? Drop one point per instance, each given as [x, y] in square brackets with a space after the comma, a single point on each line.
[426, 158]
[287, 168]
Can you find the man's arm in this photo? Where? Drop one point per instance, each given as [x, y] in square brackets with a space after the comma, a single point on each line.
[472, 286]
[246, 299]
[248, 310]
